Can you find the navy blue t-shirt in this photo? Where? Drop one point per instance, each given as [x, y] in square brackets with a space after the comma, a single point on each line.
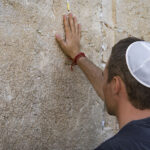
[133, 136]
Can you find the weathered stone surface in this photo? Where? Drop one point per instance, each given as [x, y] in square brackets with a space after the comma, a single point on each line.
[133, 18]
[129, 18]
[43, 105]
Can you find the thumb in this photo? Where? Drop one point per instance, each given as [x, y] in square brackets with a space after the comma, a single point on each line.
[60, 41]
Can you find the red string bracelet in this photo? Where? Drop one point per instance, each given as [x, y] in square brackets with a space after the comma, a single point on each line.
[76, 59]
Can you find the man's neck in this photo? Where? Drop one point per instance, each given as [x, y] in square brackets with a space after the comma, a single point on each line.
[127, 113]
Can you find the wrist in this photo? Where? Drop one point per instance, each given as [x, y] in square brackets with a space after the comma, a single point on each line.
[77, 58]
[73, 56]
[80, 60]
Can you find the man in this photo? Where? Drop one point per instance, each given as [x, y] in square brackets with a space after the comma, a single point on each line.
[124, 86]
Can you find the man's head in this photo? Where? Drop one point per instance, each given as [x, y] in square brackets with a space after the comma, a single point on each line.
[120, 84]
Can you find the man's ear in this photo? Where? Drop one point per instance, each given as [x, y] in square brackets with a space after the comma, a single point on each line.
[116, 85]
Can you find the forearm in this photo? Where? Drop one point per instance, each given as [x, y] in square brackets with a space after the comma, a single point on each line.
[93, 73]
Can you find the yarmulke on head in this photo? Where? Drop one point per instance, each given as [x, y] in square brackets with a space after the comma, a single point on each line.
[138, 61]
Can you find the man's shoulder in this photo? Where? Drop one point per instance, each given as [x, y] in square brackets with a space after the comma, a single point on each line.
[111, 144]
[119, 140]
[134, 135]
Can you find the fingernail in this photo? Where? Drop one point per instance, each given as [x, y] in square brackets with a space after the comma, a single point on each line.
[70, 14]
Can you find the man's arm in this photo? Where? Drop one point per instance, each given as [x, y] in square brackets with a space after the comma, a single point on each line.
[71, 47]
[93, 73]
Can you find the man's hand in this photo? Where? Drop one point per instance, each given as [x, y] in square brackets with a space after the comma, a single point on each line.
[71, 45]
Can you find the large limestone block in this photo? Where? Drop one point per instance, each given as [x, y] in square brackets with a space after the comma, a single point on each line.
[43, 105]
[124, 18]
[133, 18]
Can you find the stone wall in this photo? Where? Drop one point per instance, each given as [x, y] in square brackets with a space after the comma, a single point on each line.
[43, 104]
